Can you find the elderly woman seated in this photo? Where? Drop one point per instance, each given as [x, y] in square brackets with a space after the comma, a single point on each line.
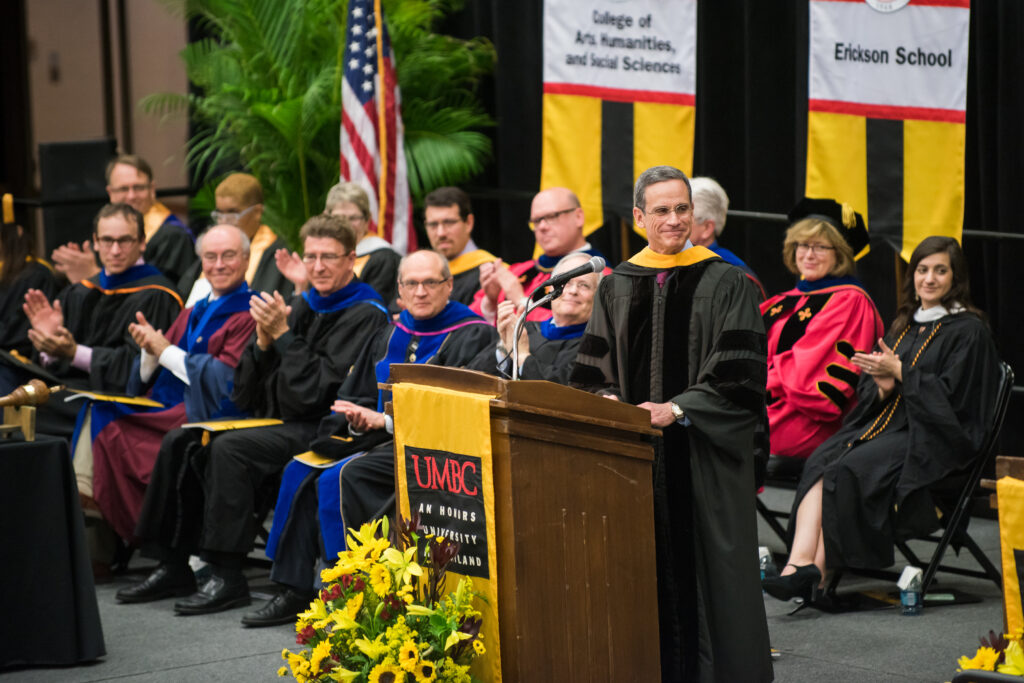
[926, 397]
[546, 349]
[814, 328]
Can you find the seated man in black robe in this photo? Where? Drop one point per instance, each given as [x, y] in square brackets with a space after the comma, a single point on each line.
[547, 349]
[432, 329]
[376, 260]
[169, 244]
[448, 219]
[203, 493]
[82, 338]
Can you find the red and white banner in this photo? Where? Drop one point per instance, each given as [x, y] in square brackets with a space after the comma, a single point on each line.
[890, 58]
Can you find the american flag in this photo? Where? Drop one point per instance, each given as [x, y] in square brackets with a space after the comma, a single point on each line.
[372, 139]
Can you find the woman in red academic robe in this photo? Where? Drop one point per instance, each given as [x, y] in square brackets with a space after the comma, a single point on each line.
[815, 328]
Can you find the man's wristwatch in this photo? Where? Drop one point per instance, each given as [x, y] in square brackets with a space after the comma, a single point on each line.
[677, 412]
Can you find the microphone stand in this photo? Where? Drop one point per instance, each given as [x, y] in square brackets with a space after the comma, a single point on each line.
[550, 296]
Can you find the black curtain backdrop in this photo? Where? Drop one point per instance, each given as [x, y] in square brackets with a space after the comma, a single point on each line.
[751, 136]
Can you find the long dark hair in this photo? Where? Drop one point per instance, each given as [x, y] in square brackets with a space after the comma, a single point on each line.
[959, 293]
[16, 246]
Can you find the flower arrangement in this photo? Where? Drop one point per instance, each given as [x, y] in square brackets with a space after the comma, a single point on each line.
[1002, 653]
[383, 616]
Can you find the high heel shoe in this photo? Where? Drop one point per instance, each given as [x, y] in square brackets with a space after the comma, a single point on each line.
[803, 583]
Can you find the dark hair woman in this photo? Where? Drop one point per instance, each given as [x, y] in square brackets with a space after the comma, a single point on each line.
[926, 397]
[20, 271]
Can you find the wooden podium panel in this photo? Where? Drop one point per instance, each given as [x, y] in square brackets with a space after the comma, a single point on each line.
[574, 519]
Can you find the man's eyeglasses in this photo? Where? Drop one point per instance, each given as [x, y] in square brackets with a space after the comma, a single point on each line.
[663, 211]
[413, 285]
[226, 257]
[124, 189]
[814, 248]
[326, 259]
[230, 217]
[550, 217]
[447, 222]
[123, 242]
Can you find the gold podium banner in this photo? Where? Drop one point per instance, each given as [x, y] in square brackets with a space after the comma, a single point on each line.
[444, 473]
[1010, 493]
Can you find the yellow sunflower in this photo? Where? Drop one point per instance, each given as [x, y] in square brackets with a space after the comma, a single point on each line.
[386, 673]
[425, 672]
[479, 648]
[985, 659]
[408, 655]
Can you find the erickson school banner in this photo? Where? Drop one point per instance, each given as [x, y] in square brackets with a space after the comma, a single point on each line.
[443, 470]
[619, 89]
[887, 95]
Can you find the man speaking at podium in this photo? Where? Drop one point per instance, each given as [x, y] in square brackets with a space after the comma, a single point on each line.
[676, 330]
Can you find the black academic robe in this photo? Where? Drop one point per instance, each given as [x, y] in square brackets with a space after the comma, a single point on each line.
[465, 270]
[99, 318]
[878, 468]
[171, 249]
[697, 341]
[298, 376]
[549, 359]
[13, 322]
[295, 379]
[367, 482]
[379, 269]
[360, 387]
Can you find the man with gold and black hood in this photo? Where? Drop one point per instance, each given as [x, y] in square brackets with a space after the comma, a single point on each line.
[676, 330]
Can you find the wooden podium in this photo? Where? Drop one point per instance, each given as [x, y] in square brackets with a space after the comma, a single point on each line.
[574, 528]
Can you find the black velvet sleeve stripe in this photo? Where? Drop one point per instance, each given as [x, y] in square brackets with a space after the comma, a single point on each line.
[842, 374]
[741, 370]
[586, 376]
[594, 346]
[845, 348]
[739, 393]
[833, 394]
[742, 340]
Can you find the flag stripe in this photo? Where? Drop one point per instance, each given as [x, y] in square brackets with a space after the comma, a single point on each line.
[372, 138]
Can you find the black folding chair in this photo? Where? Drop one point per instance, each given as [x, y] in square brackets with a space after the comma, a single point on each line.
[781, 473]
[954, 509]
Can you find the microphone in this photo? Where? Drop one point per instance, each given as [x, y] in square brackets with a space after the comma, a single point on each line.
[594, 265]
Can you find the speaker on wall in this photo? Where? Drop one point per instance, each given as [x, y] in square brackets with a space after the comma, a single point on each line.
[71, 174]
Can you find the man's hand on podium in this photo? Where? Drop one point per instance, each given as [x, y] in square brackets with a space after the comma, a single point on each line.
[661, 413]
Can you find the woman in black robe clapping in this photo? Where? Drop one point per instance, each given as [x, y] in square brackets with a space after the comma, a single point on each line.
[926, 397]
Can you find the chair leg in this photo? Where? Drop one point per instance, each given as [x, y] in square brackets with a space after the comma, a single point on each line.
[769, 516]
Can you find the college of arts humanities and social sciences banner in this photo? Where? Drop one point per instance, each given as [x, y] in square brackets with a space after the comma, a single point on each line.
[887, 98]
[443, 471]
[619, 90]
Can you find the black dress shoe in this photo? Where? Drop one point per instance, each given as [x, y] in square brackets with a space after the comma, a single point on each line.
[803, 583]
[166, 581]
[283, 609]
[216, 595]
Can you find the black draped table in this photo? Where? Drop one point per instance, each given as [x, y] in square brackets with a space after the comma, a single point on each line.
[47, 598]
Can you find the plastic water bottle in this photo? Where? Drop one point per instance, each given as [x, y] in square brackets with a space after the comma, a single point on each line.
[910, 591]
[768, 567]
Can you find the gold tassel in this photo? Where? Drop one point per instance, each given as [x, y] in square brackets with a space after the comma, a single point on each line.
[849, 216]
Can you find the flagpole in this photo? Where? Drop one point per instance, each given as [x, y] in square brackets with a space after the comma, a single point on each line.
[382, 131]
